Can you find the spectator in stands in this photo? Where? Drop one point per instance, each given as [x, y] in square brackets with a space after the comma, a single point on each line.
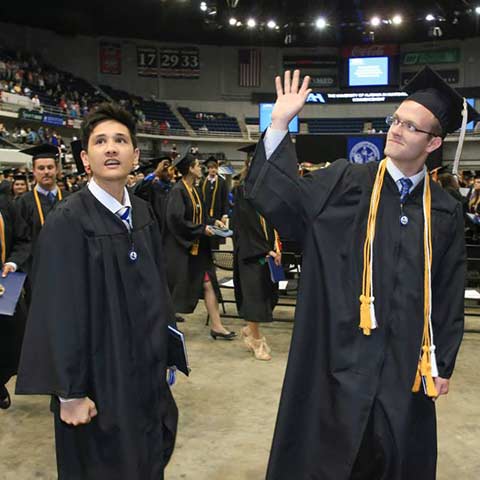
[474, 201]
[450, 184]
[4, 133]
[36, 102]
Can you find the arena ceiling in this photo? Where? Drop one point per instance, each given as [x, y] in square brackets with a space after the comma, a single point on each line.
[348, 21]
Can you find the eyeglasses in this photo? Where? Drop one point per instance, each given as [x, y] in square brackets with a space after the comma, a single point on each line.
[394, 120]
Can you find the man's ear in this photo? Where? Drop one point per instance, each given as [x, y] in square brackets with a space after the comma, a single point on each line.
[434, 144]
[84, 157]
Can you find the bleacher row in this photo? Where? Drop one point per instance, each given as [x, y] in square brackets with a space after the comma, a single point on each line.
[53, 86]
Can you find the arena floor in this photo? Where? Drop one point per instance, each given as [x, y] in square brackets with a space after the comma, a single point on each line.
[228, 408]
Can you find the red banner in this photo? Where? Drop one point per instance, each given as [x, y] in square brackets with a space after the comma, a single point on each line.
[110, 56]
[370, 51]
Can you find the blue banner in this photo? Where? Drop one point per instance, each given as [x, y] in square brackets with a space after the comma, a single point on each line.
[365, 149]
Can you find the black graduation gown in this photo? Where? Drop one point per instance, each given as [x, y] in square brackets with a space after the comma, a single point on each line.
[97, 327]
[156, 194]
[337, 378]
[215, 198]
[186, 272]
[255, 293]
[27, 209]
[17, 249]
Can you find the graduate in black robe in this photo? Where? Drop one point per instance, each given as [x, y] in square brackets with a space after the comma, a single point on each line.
[256, 295]
[214, 191]
[190, 269]
[15, 250]
[155, 187]
[347, 409]
[96, 334]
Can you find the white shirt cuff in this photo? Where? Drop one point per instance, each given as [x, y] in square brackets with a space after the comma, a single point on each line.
[66, 400]
[13, 264]
[272, 139]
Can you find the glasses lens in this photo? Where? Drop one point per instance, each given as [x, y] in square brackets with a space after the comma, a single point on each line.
[389, 120]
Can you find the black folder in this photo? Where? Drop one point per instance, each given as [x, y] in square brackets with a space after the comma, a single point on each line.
[177, 351]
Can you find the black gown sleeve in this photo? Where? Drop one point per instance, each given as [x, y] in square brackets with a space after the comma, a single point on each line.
[184, 230]
[21, 242]
[224, 199]
[55, 350]
[288, 201]
[448, 290]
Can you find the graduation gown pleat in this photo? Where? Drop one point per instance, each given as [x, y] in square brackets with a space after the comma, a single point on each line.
[255, 293]
[335, 374]
[185, 271]
[97, 327]
[17, 250]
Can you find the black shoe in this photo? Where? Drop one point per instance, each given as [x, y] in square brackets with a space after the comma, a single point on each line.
[5, 400]
[179, 319]
[223, 336]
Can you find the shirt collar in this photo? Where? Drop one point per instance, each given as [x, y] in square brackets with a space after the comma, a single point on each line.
[397, 174]
[46, 192]
[212, 179]
[109, 202]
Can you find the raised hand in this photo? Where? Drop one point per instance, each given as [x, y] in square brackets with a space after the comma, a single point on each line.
[290, 99]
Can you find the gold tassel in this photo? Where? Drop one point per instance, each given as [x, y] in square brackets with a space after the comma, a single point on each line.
[418, 380]
[365, 317]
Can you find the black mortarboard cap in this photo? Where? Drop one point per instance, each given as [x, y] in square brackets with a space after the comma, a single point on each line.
[7, 171]
[180, 161]
[20, 176]
[248, 148]
[77, 148]
[428, 89]
[45, 150]
[210, 159]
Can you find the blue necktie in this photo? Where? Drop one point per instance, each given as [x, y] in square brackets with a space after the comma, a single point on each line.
[405, 190]
[51, 198]
[124, 214]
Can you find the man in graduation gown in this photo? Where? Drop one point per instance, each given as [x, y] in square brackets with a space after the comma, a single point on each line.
[352, 405]
[15, 250]
[154, 188]
[96, 337]
[35, 206]
[215, 197]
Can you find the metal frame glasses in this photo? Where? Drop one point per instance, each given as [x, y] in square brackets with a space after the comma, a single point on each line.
[394, 120]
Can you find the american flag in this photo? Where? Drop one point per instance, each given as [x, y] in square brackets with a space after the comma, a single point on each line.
[249, 67]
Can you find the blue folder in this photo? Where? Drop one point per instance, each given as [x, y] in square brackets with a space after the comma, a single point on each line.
[13, 284]
[277, 274]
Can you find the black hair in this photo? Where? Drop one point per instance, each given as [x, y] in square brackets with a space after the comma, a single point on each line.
[185, 164]
[104, 112]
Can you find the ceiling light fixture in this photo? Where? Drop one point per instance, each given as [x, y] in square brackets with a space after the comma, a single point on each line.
[271, 24]
[251, 23]
[232, 21]
[429, 18]
[397, 19]
[375, 21]
[320, 23]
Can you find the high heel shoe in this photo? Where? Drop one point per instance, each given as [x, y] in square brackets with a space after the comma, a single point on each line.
[223, 336]
[5, 400]
[260, 348]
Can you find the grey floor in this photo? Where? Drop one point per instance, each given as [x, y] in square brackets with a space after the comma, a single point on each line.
[227, 413]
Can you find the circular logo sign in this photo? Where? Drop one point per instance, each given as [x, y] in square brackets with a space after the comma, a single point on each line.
[364, 152]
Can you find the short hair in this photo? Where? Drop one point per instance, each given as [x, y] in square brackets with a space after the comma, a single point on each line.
[437, 129]
[104, 112]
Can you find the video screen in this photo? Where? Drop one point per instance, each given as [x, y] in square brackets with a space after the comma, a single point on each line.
[368, 71]
[471, 125]
[266, 118]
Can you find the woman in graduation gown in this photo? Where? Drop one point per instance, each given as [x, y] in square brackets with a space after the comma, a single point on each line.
[15, 250]
[256, 295]
[190, 269]
[352, 406]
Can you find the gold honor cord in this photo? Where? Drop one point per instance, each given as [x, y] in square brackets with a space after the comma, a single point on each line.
[2, 239]
[39, 205]
[427, 361]
[197, 217]
[214, 196]
[264, 226]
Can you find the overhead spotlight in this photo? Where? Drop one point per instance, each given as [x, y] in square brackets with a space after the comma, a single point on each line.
[477, 10]
[251, 23]
[397, 19]
[239, 24]
[232, 21]
[271, 24]
[203, 6]
[429, 18]
[375, 21]
[320, 23]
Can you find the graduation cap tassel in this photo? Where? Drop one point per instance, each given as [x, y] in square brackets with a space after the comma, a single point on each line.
[461, 138]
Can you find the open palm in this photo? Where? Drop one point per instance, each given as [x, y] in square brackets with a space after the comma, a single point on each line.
[290, 99]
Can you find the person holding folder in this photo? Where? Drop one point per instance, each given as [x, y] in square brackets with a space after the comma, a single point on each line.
[14, 250]
[379, 317]
[96, 336]
[255, 244]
